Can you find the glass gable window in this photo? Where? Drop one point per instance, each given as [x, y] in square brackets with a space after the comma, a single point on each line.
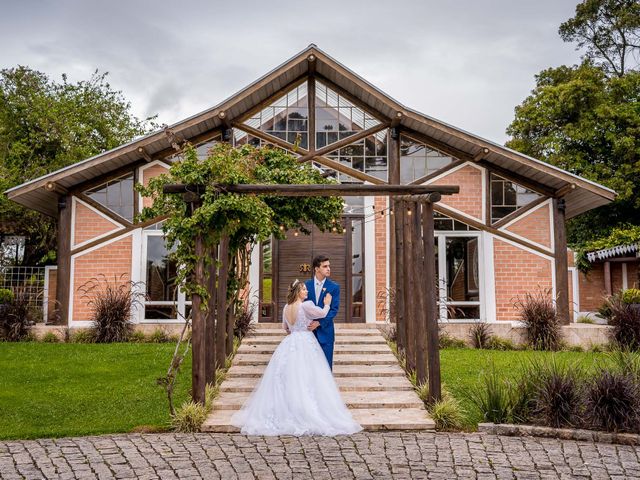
[417, 160]
[337, 118]
[116, 195]
[507, 197]
[368, 155]
[442, 222]
[286, 118]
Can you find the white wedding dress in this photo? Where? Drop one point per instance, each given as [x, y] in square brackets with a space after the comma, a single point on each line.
[297, 394]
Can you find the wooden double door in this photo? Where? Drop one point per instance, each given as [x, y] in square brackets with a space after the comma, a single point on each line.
[292, 259]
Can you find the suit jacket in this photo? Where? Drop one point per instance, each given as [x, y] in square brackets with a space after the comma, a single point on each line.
[325, 333]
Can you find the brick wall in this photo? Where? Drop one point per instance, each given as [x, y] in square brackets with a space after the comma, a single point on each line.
[88, 224]
[147, 174]
[469, 200]
[592, 289]
[381, 203]
[534, 226]
[111, 260]
[517, 272]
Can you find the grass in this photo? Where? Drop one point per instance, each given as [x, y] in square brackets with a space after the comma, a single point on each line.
[55, 390]
[461, 370]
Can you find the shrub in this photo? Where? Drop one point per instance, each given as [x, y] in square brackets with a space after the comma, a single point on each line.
[211, 392]
[390, 333]
[16, 318]
[538, 314]
[6, 296]
[243, 325]
[612, 401]
[158, 336]
[50, 337]
[112, 303]
[447, 341]
[626, 362]
[421, 389]
[631, 295]
[493, 398]
[448, 414]
[137, 336]
[558, 396]
[82, 335]
[585, 319]
[499, 343]
[625, 320]
[189, 417]
[575, 348]
[480, 333]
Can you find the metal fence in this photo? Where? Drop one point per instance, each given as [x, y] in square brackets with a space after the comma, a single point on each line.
[29, 280]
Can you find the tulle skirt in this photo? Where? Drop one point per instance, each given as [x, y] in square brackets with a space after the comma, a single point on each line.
[297, 394]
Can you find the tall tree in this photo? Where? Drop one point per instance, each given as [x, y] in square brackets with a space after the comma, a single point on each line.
[46, 125]
[610, 32]
[589, 124]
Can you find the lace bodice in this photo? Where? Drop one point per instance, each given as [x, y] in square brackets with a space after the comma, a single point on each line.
[307, 312]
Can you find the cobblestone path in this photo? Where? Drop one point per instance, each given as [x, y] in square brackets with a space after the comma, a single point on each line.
[365, 455]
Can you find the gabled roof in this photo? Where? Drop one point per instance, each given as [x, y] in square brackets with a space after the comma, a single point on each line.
[582, 194]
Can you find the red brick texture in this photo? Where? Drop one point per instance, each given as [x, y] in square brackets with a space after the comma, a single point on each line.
[381, 256]
[534, 226]
[469, 200]
[517, 272]
[591, 284]
[112, 260]
[89, 225]
[147, 174]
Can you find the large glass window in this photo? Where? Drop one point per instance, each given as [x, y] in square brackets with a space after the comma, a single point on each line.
[507, 197]
[368, 155]
[286, 118]
[163, 299]
[116, 195]
[417, 160]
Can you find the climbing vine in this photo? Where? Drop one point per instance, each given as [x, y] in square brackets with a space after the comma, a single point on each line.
[246, 219]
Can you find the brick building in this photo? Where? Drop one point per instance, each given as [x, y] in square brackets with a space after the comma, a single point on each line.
[501, 236]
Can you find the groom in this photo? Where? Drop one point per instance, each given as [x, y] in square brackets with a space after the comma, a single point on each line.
[318, 287]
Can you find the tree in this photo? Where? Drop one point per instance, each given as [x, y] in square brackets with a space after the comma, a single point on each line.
[585, 122]
[44, 126]
[609, 30]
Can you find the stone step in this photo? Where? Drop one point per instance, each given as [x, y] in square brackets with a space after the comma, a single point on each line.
[256, 371]
[340, 340]
[371, 419]
[351, 332]
[346, 384]
[353, 400]
[338, 348]
[338, 359]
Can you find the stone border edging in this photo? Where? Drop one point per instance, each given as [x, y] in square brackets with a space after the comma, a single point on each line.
[512, 430]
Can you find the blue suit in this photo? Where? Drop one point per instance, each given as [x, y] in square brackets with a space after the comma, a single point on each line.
[325, 333]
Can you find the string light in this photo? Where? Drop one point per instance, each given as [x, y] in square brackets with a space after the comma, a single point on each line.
[282, 228]
[409, 211]
[295, 234]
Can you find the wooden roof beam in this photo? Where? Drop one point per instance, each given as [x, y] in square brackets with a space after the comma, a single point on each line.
[344, 142]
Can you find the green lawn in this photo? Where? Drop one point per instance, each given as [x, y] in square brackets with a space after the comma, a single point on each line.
[54, 390]
[462, 369]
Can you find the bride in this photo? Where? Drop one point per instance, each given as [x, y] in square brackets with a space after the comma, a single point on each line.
[297, 394]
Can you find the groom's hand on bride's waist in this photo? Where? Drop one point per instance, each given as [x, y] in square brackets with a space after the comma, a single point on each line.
[313, 325]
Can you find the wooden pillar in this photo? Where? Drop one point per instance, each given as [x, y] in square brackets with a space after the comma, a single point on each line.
[210, 328]
[417, 272]
[198, 329]
[561, 266]
[394, 179]
[63, 284]
[408, 286]
[431, 299]
[607, 278]
[230, 312]
[398, 219]
[221, 310]
[311, 96]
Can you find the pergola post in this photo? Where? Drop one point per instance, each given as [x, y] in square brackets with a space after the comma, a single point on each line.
[421, 300]
[401, 331]
[408, 288]
[198, 329]
[210, 327]
[221, 309]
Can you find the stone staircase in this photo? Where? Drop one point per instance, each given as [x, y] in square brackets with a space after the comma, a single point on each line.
[371, 382]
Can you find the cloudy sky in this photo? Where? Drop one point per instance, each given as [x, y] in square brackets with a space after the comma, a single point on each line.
[468, 62]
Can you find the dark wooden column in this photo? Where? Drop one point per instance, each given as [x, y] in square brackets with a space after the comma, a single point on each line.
[607, 278]
[198, 328]
[562, 274]
[409, 291]
[431, 300]
[421, 299]
[210, 328]
[311, 96]
[221, 316]
[398, 220]
[63, 279]
[394, 179]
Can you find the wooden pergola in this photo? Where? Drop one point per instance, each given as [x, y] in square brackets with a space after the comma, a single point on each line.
[414, 304]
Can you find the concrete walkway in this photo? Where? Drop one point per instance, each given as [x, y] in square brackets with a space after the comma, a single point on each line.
[371, 382]
[366, 455]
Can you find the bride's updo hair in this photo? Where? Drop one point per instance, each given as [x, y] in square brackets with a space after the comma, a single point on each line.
[294, 290]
